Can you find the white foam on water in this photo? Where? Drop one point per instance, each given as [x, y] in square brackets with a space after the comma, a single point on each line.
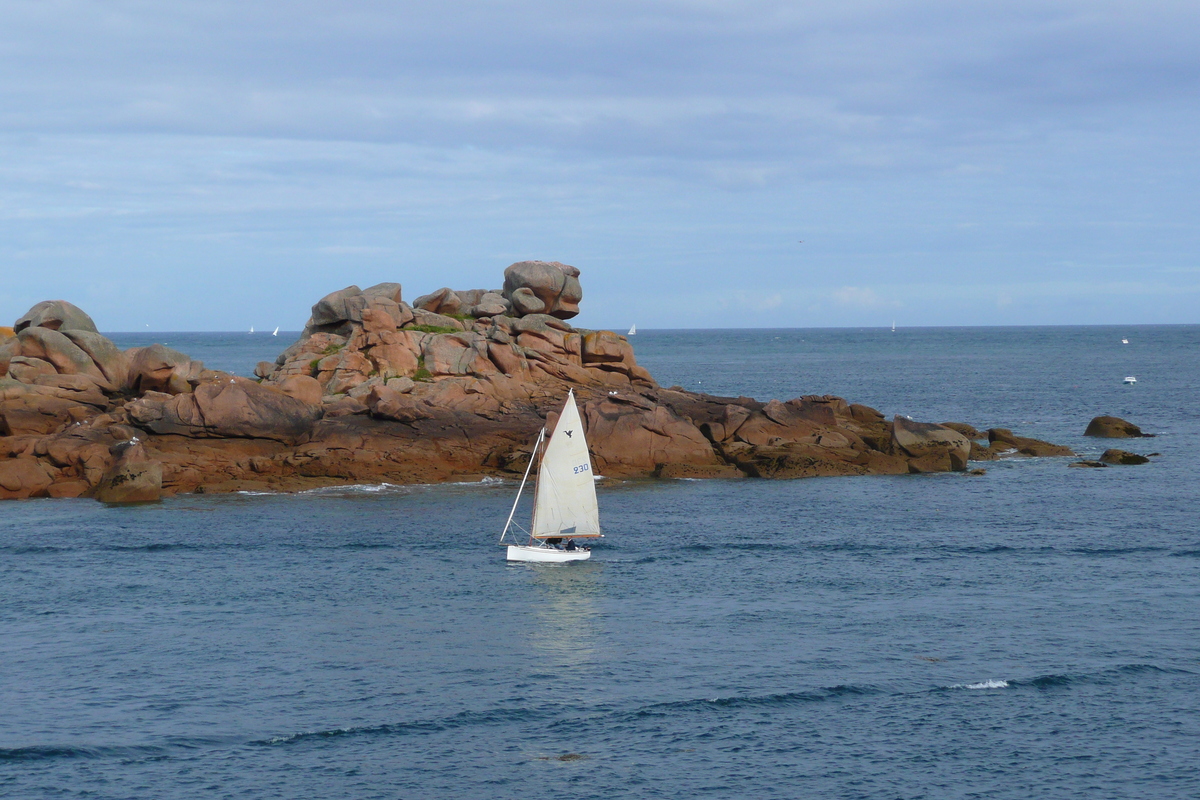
[982, 685]
[368, 488]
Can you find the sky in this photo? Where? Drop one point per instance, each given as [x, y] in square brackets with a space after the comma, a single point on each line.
[215, 165]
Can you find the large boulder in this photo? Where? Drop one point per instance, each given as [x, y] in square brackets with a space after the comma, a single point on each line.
[233, 408]
[10, 347]
[56, 315]
[112, 362]
[629, 436]
[30, 409]
[158, 368]
[606, 347]
[134, 478]
[458, 354]
[443, 301]
[388, 291]
[23, 476]
[543, 287]
[344, 304]
[28, 370]
[933, 448]
[304, 388]
[1106, 427]
[56, 348]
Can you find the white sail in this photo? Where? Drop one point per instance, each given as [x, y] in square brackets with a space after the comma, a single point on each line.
[276, 331]
[252, 329]
[565, 503]
[632, 330]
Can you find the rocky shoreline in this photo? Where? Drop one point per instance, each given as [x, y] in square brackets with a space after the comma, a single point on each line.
[453, 386]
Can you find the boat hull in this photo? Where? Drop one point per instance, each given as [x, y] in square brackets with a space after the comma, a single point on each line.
[545, 555]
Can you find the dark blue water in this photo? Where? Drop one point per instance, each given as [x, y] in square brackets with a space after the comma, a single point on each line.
[1031, 632]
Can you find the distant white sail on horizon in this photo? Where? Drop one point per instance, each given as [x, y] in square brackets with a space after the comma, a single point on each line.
[252, 329]
[632, 330]
[276, 331]
[565, 501]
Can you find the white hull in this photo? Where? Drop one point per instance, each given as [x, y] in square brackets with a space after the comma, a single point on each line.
[550, 555]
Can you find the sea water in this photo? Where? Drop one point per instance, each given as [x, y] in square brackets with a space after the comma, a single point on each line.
[1034, 631]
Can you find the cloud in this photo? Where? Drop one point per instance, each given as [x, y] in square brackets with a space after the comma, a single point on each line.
[654, 144]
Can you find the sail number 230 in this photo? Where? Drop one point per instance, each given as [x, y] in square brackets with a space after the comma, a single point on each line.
[582, 468]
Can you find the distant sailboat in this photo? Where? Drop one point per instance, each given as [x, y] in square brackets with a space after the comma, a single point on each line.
[893, 326]
[276, 331]
[564, 497]
[632, 330]
[252, 329]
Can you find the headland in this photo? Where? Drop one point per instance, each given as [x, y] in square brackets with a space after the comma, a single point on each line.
[451, 386]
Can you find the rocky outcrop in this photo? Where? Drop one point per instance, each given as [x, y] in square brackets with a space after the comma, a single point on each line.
[1004, 442]
[226, 409]
[1122, 457]
[932, 448]
[454, 386]
[357, 339]
[1107, 427]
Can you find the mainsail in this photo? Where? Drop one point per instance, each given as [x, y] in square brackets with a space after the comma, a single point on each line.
[565, 503]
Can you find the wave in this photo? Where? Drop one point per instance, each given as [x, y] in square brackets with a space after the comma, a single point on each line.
[1186, 553]
[155, 547]
[393, 488]
[776, 700]
[46, 752]
[1116, 551]
[990, 684]
[1061, 680]
[463, 719]
[32, 549]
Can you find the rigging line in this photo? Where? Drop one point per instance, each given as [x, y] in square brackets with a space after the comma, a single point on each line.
[528, 466]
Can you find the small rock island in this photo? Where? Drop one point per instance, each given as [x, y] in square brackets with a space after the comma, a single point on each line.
[452, 386]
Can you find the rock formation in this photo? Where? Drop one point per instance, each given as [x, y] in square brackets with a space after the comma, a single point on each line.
[453, 386]
[1114, 428]
[1122, 457]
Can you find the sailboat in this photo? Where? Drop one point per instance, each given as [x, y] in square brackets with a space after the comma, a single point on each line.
[893, 326]
[632, 330]
[564, 496]
[276, 331]
[252, 329]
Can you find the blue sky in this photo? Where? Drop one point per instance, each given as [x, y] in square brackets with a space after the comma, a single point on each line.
[214, 165]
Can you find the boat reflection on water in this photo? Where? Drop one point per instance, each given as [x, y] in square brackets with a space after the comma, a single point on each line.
[565, 625]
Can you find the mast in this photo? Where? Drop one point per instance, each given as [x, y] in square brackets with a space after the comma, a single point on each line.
[536, 483]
